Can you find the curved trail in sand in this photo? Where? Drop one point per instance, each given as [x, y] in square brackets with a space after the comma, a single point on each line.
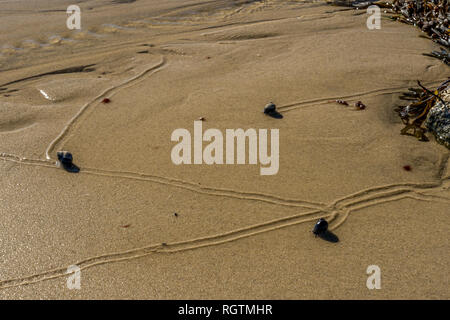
[338, 210]
[70, 124]
[318, 101]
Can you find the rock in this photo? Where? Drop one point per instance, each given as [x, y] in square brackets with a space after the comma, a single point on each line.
[438, 122]
[359, 105]
[407, 167]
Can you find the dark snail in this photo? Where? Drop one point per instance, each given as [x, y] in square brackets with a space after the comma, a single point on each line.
[66, 160]
[320, 227]
[271, 110]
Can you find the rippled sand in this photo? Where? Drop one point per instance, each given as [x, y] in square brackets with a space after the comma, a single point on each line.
[237, 234]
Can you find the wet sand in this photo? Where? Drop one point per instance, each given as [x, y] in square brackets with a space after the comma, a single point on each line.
[237, 234]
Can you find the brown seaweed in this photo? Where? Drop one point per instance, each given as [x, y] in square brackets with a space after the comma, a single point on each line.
[414, 114]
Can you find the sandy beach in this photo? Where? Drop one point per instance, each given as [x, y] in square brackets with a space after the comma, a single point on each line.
[141, 227]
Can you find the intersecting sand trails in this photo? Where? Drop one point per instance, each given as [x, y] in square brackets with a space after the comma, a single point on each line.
[365, 198]
[335, 161]
[230, 89]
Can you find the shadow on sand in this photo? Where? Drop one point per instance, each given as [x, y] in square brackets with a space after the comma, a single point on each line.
[329, 236]
[275, 114]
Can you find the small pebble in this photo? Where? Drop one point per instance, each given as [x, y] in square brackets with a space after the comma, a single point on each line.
[407, 168]
[345, 103]
[360, 105]
[106, 100]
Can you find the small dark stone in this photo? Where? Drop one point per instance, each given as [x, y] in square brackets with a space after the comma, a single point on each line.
[359, 105]
[320, 227]
[66, 160]
[407, 168]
